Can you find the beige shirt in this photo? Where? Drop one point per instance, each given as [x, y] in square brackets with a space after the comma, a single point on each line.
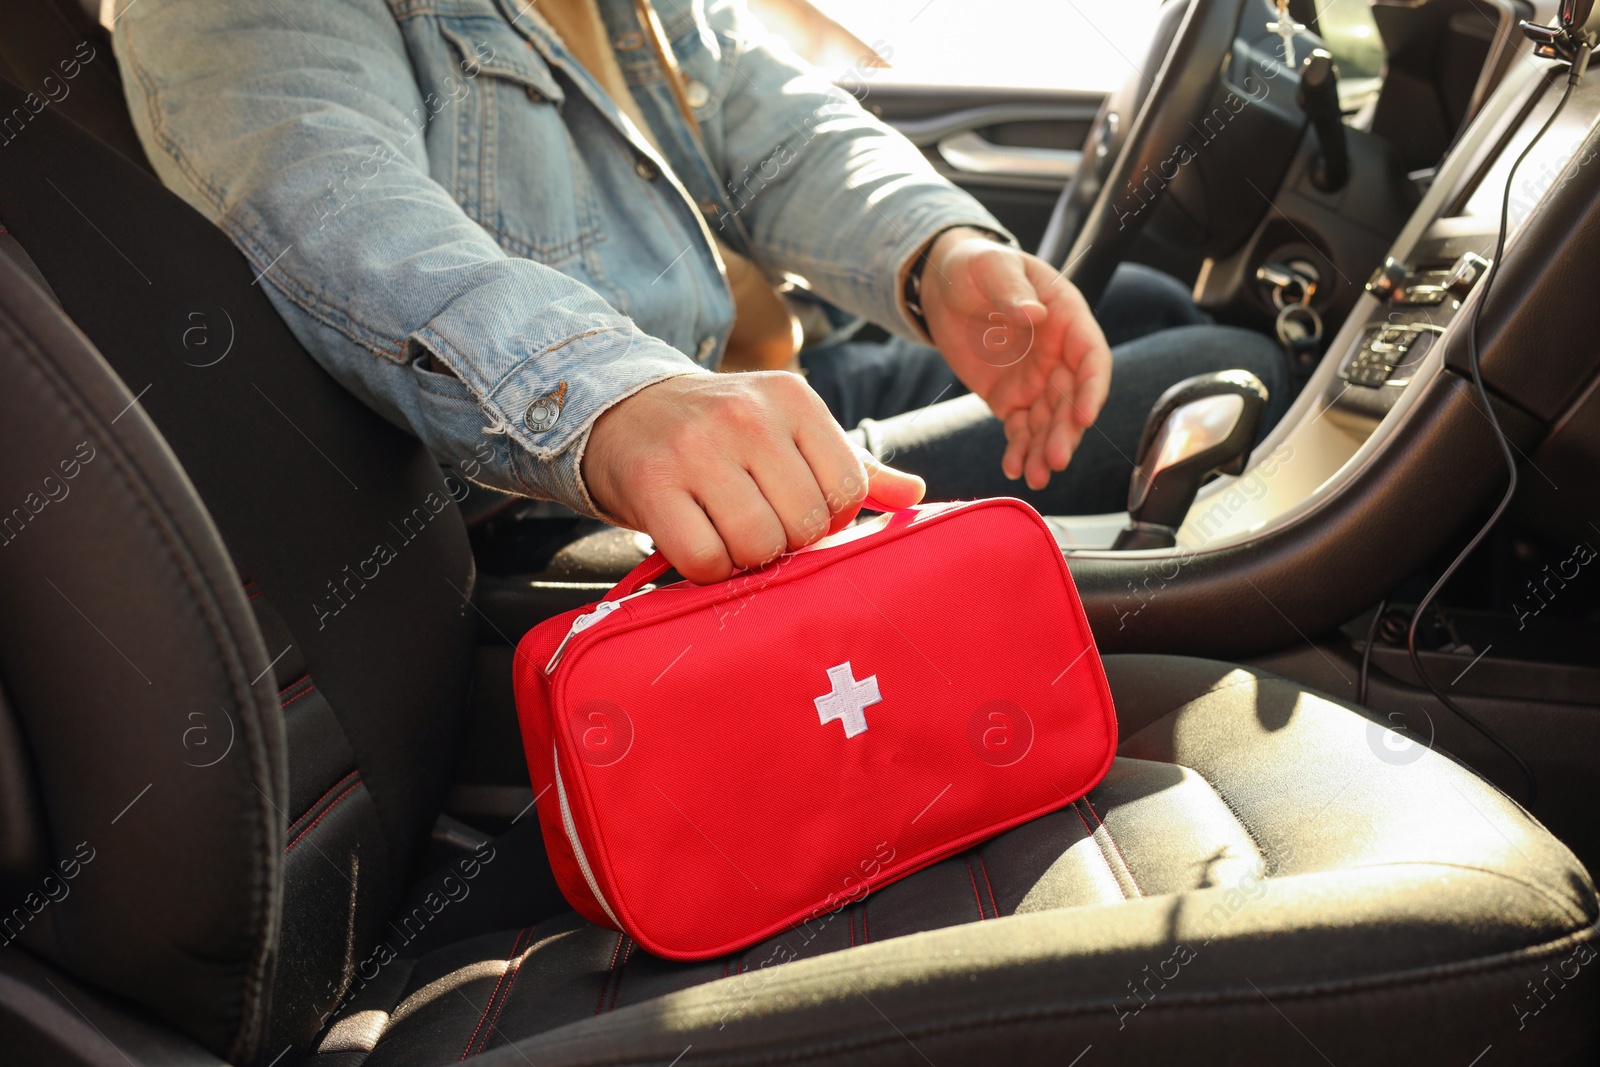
[766, 334]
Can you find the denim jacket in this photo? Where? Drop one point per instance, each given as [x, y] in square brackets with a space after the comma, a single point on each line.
[438, 182]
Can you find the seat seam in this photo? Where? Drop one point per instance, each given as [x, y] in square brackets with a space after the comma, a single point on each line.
[1565, 906]
[338, 720]
[616, 987]
[1269, 863]
[293, 684]
[1465, 971]
[312, 825]
[988, 885]
[1102, 824]
[975, 897]
[516, 944]
[354, 773]
[605, 986]
[1099, 848]
[514, 967]
[307, 691]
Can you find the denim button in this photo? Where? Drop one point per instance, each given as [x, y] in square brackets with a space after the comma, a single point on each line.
[646, 169]
[543, 412]
[697, 94]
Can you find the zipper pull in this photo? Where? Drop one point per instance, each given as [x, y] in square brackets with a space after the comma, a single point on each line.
[588, 619]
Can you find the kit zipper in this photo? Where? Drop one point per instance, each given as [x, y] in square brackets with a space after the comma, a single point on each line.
[588, 619]
[570, 828]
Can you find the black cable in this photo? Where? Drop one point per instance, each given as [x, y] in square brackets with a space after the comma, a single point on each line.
[1573, 77]
[1366, 653]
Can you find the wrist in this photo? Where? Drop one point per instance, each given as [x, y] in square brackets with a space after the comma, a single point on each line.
[917, 288]
[945, 242]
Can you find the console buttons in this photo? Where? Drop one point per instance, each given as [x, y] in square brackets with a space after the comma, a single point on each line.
[1382, 352]
[1396, 283]
[1391, 276]
[1419, 293]
[1465, 274]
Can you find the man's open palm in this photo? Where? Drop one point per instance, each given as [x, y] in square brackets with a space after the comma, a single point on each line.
[1022, 337]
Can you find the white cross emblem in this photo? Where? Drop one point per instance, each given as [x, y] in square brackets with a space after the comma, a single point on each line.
[1288, 29]
[847, 700]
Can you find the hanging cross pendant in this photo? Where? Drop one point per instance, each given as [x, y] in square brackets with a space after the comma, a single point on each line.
[1287, 28]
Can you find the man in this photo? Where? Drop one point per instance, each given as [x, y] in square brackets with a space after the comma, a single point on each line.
[529, 232]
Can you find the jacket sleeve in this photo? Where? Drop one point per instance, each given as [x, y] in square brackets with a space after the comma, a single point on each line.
[795, 149]
[256, 121]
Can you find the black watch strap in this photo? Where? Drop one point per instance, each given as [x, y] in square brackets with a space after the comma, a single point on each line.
[912, 292]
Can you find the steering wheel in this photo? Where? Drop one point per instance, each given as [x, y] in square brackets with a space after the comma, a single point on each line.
[1138, 128]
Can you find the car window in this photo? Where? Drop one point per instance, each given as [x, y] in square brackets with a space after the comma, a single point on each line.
[1351, 34]
[1033, 44]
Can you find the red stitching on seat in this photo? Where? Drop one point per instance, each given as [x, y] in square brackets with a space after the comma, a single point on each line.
[864, 937]
[323, 814]
[616, 988]
[510, 969]
[605, 987]
[975, 896]
[1114, 846]
[514, 969]
[312, 688]
[984, 867]
[1103, 857]
[313, 805]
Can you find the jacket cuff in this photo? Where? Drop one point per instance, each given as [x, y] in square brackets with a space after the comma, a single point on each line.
[544, 405]
[561, 476]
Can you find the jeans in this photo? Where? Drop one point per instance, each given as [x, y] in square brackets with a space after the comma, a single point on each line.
[909, 410]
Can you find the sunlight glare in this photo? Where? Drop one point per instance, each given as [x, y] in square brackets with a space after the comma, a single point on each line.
[1058, 44]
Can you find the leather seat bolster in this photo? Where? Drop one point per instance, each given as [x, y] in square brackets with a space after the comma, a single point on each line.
[1320, 789]
[1121, 987]
[125, 645]
[1255, 853]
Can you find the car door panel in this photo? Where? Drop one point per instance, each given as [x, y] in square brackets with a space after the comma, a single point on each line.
[1013, 149]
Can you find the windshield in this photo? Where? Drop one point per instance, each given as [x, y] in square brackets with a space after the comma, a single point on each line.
[1351, 35]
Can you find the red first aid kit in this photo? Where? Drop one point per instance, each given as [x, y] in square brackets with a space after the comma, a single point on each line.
[716, 764]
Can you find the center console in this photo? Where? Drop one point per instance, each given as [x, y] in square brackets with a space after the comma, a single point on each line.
[1415, 305]
[1418, 292]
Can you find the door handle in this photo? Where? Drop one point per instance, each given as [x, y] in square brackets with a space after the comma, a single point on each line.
[970, 153]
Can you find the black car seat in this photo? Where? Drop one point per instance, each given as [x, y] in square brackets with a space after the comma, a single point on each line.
[226, 729]
[57, 51]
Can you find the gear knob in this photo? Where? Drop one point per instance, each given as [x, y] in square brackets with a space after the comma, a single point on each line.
[1202, 426]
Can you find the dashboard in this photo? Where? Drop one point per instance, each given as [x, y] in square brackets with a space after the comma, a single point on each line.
[1420, 290]
[1391, 345]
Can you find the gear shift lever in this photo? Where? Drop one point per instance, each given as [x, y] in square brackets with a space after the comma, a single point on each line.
[1319, 99]
[1202, 426]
